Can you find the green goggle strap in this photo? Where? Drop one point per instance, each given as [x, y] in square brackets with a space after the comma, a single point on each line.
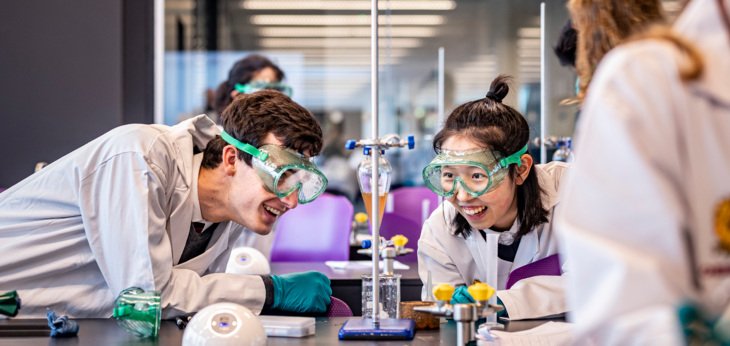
[248, 88]
[245, 147]
[514, 158]
[243, 88]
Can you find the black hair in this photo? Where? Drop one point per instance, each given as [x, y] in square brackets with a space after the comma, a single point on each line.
[504, 130]
[567, 44]
[241, 73]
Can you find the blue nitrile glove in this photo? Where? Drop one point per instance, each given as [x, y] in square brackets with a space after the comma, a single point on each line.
[461, 296]
[61, 326]
[301, 292]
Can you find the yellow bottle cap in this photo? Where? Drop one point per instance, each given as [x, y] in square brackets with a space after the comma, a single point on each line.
[399, 240]
[361, 217]
[481, 291]
[443, 292]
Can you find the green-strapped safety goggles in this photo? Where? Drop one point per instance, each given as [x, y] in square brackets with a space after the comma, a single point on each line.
[256, 86]
[283, 171]
[477, 171]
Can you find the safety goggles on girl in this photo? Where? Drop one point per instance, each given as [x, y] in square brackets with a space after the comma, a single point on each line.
[477, 171]
[256, 86]
[283, 170]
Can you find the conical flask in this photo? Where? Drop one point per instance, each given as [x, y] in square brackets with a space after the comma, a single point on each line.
[364, 179]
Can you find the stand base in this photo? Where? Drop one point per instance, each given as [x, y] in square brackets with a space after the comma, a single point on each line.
[388, 329]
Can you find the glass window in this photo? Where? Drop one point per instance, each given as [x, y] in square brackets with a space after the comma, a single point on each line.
[323, 48]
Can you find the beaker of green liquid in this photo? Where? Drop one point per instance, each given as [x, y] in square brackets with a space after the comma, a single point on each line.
[138, 311]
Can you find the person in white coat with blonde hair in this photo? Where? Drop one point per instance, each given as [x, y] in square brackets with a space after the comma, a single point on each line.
[645, 216]
[492, 187]
[159, 208]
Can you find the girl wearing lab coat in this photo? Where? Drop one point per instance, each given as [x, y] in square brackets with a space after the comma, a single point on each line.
[491, 186]
[648, 199]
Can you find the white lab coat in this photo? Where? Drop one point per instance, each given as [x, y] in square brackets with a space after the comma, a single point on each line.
[113, 214]
[652, 165]
[454, 260]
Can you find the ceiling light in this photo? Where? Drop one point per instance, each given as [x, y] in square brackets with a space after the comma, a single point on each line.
[335, 52]
[528, 43]
[344, 31]
[328, 63]
[328, 5]
[336, 42]
[529, 32]
[349, 20]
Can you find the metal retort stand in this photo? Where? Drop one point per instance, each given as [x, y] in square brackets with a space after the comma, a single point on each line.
[375, 183]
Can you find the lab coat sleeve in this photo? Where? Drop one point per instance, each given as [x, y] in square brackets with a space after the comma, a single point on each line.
[620, 224]
[124, 208]
[434, 258]
[535, 297]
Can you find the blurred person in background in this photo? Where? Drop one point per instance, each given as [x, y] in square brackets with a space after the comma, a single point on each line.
[602, 25]
[252, 73]
[645, 215]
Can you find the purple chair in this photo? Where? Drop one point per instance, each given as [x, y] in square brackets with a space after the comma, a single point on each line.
[547, 266]
[338, 308]
[409, 202]
[314, 232]
[393, 224]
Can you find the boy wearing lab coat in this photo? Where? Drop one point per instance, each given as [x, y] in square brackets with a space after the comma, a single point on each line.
[159, 208]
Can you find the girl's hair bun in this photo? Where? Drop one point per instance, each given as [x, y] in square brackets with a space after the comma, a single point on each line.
[499, 88]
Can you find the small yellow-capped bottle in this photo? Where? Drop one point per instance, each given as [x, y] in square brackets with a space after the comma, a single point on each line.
[361, 217]
[443, 292]
[481, 291]
[399, 240]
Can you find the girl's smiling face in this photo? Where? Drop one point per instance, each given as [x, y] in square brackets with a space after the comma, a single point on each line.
[496, 208]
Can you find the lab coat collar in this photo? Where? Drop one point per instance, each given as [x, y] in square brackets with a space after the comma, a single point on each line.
[528, 249]
[197, 213]
[701, 19]
[189, 134]
[530, 242]
[548, 185]
[526, 252]
[194, 132]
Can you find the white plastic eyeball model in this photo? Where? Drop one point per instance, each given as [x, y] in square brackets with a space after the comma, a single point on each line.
[247, 261]
[224, 324]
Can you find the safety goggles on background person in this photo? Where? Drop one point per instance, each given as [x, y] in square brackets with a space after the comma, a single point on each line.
[283, 170]
[477, 171]
[256, 86]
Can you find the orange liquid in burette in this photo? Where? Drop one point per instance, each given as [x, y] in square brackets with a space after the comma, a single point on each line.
[368, 199]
